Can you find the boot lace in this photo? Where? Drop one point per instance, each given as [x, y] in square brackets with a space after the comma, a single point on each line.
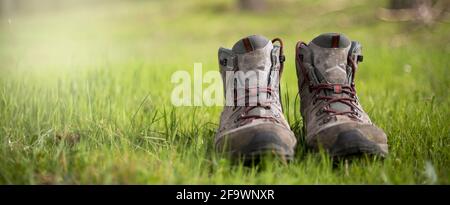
[337, 88]
[350, 90]
[244, 116]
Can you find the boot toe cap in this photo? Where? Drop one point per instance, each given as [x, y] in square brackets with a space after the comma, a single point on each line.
[350, 139]
[258, 140]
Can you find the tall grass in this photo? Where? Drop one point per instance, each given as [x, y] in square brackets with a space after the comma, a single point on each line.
[85, 94]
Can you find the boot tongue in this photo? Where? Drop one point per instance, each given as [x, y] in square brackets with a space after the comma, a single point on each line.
[249, 44]
[253, 52]
[330, 51]
[254, 60]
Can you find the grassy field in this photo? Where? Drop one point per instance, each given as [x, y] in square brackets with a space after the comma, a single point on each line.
[85, 93]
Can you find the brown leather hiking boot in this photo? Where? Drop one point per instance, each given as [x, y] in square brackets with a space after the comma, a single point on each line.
[252, 122]
[332, 115]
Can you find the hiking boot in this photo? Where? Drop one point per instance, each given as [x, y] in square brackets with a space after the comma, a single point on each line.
[252, 122]
[333, 118]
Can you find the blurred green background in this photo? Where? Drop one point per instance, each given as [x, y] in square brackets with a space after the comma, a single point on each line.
[85, 88]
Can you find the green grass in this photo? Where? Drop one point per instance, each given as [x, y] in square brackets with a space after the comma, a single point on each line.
[85, 94]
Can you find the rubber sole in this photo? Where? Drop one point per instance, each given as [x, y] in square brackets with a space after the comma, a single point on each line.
[257, 142]
[352, 143]
[258, 154]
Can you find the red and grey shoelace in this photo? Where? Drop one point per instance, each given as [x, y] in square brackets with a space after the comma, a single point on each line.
[336, 88]
[267, 90]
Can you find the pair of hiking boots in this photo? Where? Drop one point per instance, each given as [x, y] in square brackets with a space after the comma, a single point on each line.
[252, 122]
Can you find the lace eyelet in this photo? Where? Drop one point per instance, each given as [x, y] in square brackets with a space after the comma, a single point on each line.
[326, 120]
[355, 113]
[318, 113]
[223, 62]
[315, 99]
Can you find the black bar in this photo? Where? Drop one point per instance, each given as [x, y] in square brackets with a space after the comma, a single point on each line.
[221, 193]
